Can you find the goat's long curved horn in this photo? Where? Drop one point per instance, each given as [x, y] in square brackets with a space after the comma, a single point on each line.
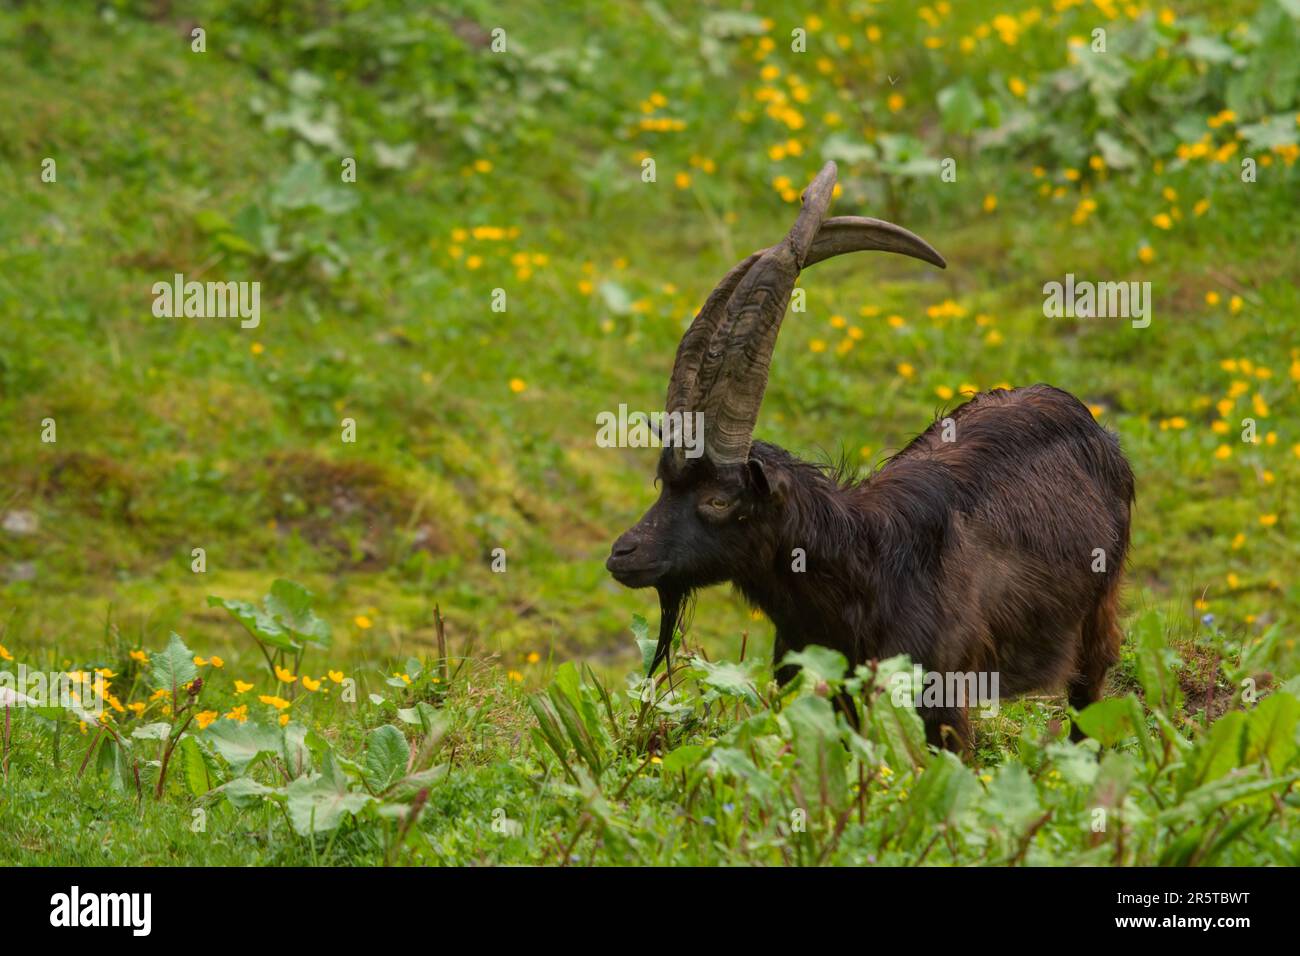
[733, 375]
[682, 393]
[841, 234]
[722, 363]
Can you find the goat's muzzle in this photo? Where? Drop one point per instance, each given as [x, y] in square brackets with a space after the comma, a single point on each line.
[629, 563]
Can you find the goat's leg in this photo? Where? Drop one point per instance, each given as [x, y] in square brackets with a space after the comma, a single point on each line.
[843, 702]
[780, 646]
[1098, 650]
[947, 728]
[847, 705]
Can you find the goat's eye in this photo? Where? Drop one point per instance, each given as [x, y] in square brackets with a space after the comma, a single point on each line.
[718, 502]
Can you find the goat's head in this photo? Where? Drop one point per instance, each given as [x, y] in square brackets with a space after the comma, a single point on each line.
[723, 504]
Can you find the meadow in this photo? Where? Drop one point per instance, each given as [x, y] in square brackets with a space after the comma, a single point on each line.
[340, 576]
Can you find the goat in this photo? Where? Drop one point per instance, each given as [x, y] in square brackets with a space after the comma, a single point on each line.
[974, 549]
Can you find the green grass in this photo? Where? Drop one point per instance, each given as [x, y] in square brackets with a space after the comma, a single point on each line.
[175, 434]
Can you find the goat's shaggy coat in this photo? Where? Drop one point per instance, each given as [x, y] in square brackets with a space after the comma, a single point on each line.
[975, 555]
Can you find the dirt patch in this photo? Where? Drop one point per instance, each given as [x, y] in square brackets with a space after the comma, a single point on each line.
[93, 484]
[358, 510]
[1202, 681]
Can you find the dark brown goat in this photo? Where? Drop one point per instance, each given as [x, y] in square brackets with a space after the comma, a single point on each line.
[993, 543]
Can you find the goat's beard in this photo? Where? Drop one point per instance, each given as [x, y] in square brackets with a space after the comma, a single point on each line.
[672, 601]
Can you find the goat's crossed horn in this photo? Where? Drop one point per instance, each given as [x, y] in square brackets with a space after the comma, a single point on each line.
[722, 363]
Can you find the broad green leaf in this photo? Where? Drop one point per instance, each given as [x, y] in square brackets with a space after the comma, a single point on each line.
[728, 679]
[960, 107]
[113, 759]
[901, 731]
[1221, 751]
[304, 185]
[941, 795]
[319, 802]
[290, 604]
[411, 784]
[242, 744]
[157, 731]
[244, 792]
[1209, 49]
[1115, 776]
[1109, 721]
[822, 760]
[946, 788]
[387, 756]
[1012, 797]
[195, 769]
[732, 24]
[210, 221]
[737, 764]
[1076, 765]
[684, 758]
[615, 297]
[1224, 792]
[173, 667]
[257, 622]
[820, 664]
[644, 642]
[1156, 663]
[397, 156]
[1271, 730]
[294, 749]
[1115, 154]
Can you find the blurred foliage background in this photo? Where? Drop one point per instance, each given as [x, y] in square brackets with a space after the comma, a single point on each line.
[522, 170]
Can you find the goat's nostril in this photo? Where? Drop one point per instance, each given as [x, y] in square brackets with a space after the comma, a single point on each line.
[622, 548]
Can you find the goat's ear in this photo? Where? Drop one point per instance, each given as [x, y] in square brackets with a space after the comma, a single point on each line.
[764, 484]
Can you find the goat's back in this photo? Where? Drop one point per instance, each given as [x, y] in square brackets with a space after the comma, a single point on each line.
[1023, 502]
